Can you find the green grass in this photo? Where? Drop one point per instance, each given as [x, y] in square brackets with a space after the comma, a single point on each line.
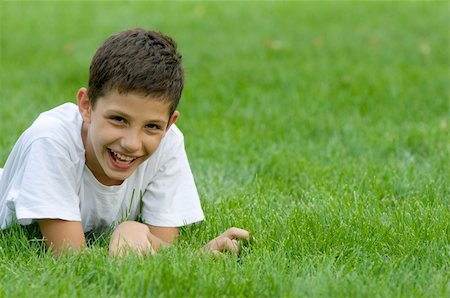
[323, 128]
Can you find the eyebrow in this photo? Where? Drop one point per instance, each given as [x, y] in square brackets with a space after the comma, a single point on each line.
[112, 111]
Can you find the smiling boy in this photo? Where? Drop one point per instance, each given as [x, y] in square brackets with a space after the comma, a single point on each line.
[115, 158]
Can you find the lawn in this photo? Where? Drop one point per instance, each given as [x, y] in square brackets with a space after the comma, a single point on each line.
[322, 128]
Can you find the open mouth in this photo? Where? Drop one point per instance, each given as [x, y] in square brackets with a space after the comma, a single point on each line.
[120, 160]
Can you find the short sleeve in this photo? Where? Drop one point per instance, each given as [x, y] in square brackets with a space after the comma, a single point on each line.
[171, 198]
[47, 188]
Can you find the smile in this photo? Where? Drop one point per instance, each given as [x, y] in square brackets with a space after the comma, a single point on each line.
[120, 160]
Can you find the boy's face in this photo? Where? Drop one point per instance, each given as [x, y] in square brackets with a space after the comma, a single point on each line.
[121, 132]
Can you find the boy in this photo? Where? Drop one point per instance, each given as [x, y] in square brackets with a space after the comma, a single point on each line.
[114, 158]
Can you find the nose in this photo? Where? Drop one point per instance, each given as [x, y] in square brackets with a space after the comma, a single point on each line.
[131, 141]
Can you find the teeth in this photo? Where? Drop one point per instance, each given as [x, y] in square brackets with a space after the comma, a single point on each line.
[123, 158]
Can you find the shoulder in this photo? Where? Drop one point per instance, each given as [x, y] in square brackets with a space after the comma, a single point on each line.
[172, 142]
[60, 126]
[60, 117]
[174, 135]
[60, 123]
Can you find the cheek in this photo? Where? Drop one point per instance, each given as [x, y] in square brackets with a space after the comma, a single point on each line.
[102, 135]
[152, 143]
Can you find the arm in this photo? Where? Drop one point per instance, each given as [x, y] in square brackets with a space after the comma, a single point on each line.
[133, 236]
[227, 241]
[165, 234]
[62, 235]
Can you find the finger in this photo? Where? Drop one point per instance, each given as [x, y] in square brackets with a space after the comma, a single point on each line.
[120, 246]
[144, 248]
[217, 244]
[221, 244]
[237, 244]
[237, 233]
[231, 245]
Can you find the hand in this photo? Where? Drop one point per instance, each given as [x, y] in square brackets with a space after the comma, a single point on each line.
[131, 236]
[228, 241]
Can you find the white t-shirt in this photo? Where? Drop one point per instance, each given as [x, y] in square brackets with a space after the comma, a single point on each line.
[45, 176]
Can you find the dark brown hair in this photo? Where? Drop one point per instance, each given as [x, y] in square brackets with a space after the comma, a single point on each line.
[137, 60]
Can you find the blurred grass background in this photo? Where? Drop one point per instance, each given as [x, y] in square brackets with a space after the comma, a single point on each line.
[322, 127]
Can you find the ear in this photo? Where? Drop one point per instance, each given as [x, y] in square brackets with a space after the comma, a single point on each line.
[84, 105]
[173, 119]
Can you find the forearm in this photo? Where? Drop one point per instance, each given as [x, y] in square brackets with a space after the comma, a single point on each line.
[132, 236]
[157, 243]
[62, 236]
[161, 237]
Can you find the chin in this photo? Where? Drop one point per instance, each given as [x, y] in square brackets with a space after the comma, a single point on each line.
[121, 176]
[117, 177]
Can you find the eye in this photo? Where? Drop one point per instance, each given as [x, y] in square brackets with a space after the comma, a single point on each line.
[117, 119]
[152, 126]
